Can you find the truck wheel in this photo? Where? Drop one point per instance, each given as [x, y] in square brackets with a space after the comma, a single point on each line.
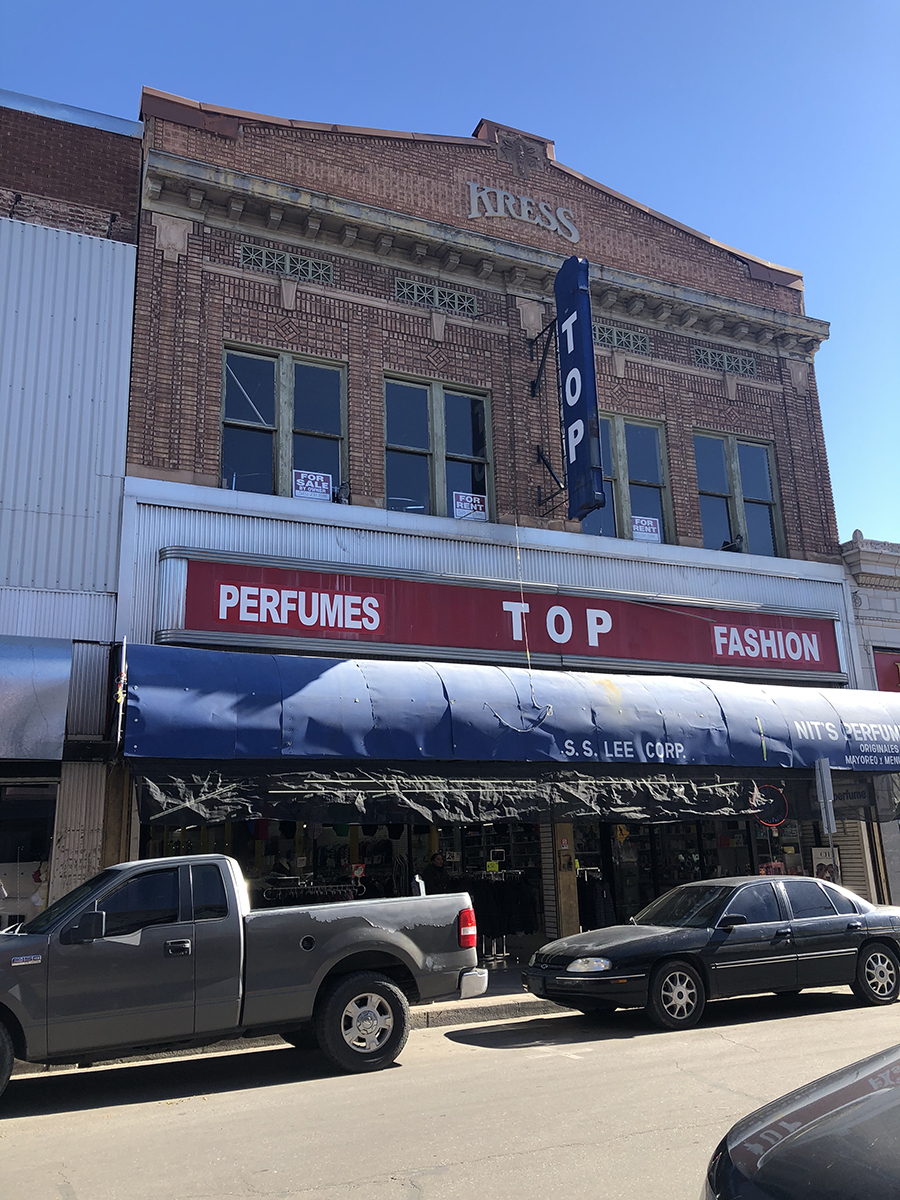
[6, 1058]
[677, 996]
[877, 975]
[363, 1022]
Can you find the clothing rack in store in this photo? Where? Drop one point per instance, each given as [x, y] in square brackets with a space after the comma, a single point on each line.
[303, 892]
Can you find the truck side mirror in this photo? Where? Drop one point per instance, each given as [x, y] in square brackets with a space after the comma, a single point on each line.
[90, 927]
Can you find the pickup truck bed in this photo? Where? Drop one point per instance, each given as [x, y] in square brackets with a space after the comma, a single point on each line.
[166, 952]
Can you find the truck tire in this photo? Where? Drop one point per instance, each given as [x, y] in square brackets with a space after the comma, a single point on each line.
[6, 1058]
[362, 1022]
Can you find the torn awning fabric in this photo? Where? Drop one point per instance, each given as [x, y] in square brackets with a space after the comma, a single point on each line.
[176, 793]
[215, 705]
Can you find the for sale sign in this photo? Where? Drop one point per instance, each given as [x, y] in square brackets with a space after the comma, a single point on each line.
[312, 485]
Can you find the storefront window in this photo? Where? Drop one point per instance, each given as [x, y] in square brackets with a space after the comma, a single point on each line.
[26, 840]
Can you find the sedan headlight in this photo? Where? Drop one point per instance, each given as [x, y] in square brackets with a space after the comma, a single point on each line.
[583, 966]
[531, 960]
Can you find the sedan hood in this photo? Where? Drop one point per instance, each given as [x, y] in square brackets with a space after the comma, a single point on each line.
[612, 937]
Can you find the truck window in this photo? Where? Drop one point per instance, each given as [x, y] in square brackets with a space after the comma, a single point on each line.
[210, 902]
[150, 899]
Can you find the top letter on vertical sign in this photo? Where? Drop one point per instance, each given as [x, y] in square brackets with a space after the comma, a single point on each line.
[578, 388]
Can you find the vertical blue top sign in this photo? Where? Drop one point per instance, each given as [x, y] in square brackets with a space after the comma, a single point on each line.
[578, 388]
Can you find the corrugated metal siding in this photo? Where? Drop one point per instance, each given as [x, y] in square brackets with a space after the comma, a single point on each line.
[78, 834]
[849, 840]
[66, 303]
[89, 690]
[29, 612]
[159, 525]
[548, 882]
[856, 869]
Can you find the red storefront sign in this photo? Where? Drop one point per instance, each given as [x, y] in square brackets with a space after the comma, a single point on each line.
[262, 602]
[887, 670]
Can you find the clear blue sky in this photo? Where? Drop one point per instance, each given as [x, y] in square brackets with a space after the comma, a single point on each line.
[769, 124]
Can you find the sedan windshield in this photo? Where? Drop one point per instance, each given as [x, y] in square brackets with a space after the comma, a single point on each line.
[690, 907]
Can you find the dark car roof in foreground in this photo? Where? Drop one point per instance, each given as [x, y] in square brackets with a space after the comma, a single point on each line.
[833, 1139]
[726, 881]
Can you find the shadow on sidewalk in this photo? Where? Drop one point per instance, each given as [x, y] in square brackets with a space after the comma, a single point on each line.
[571, 1029]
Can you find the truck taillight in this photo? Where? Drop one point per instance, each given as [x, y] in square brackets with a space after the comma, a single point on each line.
[468, 931]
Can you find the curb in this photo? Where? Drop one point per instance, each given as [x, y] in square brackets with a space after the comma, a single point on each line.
[465, 1012]
[426, 1016]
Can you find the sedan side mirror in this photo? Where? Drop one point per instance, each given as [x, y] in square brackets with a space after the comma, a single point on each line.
[90, 927]
[732, 919]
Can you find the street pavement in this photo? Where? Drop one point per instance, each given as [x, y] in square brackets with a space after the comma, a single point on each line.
[542, 1105]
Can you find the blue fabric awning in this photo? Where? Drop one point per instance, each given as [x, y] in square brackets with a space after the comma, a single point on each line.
[210, 704]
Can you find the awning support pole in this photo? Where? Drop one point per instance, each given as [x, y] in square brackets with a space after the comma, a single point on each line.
[825, 793]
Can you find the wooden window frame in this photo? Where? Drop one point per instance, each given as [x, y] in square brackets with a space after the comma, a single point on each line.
[283, 464]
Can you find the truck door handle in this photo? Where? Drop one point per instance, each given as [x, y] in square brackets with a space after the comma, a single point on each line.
[854, 925]
[177, 949]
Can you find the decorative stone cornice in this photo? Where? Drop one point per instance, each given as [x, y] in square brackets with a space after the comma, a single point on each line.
[872, 564]
[220, 197]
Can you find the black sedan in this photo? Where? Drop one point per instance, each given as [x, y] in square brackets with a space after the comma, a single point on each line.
[725, 937]
[835, 1139]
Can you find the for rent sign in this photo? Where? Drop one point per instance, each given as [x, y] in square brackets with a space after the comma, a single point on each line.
[270, 604]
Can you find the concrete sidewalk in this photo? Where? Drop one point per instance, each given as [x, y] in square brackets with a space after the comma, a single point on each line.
[499, 1006]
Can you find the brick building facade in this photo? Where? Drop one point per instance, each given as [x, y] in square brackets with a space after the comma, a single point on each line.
[59, 173]
[370, 212]
[371, 309]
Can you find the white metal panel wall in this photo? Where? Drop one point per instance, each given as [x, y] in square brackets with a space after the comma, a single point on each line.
[66, 307]
[153, 526]
[30, 612]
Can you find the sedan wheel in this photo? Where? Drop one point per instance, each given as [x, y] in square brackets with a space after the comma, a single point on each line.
[677, 996]
[877, 975]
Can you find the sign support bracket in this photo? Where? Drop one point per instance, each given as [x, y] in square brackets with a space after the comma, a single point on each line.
[550, 341]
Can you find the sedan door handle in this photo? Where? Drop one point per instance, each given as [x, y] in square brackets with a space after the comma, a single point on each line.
[854, 925]
[783, 932]
[178, 949]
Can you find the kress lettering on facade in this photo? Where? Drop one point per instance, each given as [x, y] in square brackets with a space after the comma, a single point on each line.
[494, 202]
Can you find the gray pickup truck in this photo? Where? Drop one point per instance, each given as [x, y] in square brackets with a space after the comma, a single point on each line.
[166, 953]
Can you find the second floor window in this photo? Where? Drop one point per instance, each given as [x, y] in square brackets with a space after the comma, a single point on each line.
[637, 498]
[737, 497]
[280, 415]
[436, 450]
